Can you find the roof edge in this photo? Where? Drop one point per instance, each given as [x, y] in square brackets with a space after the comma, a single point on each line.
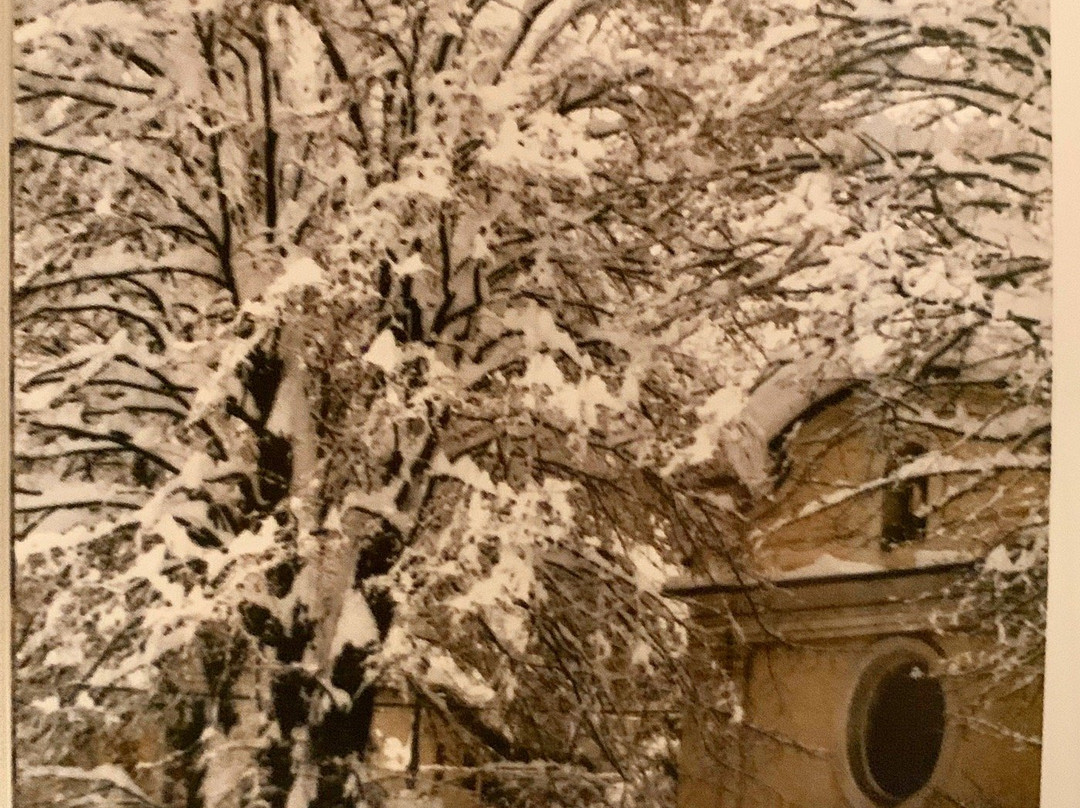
[682, 588]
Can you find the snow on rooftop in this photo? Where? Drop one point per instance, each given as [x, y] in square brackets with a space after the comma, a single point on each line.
[823, 567]
[827, 565]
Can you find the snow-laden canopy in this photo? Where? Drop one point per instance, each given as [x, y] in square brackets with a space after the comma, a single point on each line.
[369, 345]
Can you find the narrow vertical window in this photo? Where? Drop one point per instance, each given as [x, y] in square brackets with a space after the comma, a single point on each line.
[903, 517]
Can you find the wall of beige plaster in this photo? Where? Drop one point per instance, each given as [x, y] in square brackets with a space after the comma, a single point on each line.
[791, 750]
[850, 443]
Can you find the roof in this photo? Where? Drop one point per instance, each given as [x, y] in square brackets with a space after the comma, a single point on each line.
[690, 586]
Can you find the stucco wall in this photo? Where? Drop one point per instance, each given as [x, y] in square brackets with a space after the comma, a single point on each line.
[791, 747]
[801, 661]
[851, 442]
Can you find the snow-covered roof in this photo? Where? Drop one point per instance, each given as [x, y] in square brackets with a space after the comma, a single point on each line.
[823, 570]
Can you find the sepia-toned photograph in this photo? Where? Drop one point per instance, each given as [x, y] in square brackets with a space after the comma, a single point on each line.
[527, 403]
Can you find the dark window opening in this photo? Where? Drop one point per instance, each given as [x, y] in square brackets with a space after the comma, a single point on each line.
[896, 733]
[903, 517]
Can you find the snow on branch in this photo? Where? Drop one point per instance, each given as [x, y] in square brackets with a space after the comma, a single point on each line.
[107, 775]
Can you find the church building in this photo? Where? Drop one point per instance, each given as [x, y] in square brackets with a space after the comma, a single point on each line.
[870, 659]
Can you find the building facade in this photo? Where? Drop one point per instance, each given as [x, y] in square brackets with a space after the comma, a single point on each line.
[863, 673]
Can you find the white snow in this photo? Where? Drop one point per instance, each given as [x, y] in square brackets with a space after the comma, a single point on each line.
[291, 404]
[393, 754]
[641, 654]
[253, 543]
[443, 671]
[384, 352]
[466, 470]
[47, 705]
[304, 788]
[715, 415]
[64, 656]
[930, 558]
[1000, 560]
[580, 401]
[107, 774]
[74, 492]
[826, 565]
[786, 33]
[355, 625]
[650, 571]
[298, 271]
[869, 351]
[410, 265]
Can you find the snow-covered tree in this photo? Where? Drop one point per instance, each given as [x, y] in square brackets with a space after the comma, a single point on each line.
[393, 345]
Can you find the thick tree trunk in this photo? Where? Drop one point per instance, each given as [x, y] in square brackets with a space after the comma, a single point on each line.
[321, 735]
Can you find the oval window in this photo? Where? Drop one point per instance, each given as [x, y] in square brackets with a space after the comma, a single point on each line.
[896, 731]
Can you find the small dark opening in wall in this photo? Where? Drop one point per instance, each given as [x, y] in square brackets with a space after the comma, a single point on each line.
[902, 516]
[896, 741]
